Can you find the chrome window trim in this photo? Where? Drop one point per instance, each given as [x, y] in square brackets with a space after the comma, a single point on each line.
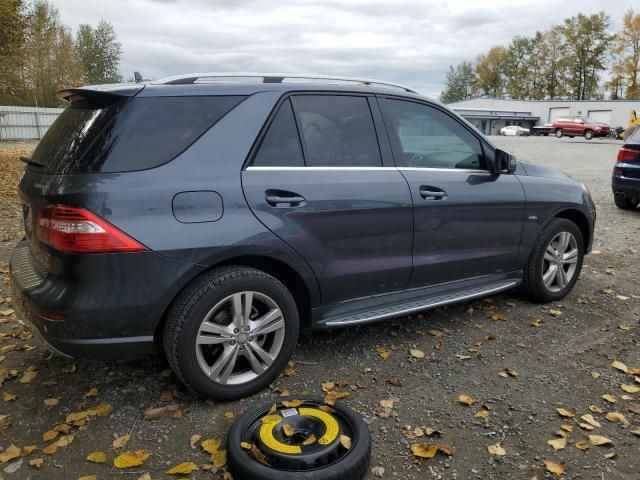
[326, 169]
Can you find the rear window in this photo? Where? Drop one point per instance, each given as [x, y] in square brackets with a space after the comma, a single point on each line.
[119, 135]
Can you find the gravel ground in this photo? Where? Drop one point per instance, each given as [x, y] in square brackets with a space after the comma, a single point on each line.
[563, 362]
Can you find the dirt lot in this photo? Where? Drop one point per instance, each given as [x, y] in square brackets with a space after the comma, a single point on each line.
[562, 354]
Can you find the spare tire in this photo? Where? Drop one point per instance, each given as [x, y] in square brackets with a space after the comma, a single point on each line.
[304, 440]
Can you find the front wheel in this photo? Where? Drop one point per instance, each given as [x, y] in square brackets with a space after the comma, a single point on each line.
[231, 332]
[555, 262]
[559, 133]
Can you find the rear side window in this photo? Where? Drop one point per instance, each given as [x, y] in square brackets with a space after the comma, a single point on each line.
[118, 135]
[337, 131]
[281, 144]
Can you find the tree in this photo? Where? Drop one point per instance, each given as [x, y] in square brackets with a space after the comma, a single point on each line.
[99, 52]
[12, 41]
[553, 62]
[459, 83]
[585, 47]
[490, 72]
[626, 51]
[517, 68]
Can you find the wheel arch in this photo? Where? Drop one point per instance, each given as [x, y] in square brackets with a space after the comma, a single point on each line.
[291, 279]
[580, 219]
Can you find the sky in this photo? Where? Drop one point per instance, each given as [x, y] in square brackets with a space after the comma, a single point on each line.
[410, 42]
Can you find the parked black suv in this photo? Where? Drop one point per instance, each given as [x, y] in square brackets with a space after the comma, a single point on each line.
[217, 217]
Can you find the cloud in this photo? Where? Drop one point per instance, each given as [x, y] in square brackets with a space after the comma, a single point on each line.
[411, 42]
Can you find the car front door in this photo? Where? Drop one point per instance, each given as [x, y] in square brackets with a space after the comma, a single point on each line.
[467, 221]
[322, 182]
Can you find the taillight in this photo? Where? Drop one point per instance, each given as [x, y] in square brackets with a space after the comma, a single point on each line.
[76, 230]
[627, 155]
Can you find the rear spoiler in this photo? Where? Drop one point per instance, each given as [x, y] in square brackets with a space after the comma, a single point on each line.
[100, 91]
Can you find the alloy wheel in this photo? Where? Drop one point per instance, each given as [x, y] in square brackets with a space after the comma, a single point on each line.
[240, 338]
[560, 262]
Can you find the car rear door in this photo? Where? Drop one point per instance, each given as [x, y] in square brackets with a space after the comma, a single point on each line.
[467, 221]
[321, 181]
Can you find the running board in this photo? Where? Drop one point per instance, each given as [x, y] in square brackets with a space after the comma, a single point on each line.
[415, 305]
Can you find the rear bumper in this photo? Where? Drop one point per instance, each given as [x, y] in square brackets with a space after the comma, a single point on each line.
[108, 307]
[630, 187]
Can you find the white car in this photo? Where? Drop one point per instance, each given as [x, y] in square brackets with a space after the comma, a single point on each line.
[514, 130]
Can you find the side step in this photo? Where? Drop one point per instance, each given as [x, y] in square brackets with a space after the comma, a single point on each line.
[415, 305]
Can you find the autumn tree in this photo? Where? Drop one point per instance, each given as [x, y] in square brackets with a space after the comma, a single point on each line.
[12, 41]
[99, 52]
[490, 78]
[459, 83]
[626, 51]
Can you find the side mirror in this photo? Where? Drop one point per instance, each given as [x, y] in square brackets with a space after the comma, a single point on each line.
[503, 162]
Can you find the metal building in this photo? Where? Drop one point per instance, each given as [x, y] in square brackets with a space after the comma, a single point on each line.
[489, 115]
[26, 123]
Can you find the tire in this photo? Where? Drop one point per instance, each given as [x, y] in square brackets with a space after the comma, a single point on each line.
[588, 135]
[624, 202]
[214, 294]
[533, 285]
[352, 466]
[559, 133]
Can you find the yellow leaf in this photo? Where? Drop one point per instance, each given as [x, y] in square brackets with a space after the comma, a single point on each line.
[103, 410]
[211, 445]
[383, 352]
[429, 450]
[609, 398]
[288, 429]
[555, 313]
[9, 397]
[497, 449]
[586, 426]
[558, 443]
[219, 458]
[596, 409]
[246, 445]
[51, 448]
[51, 402]
[28, 376]
[345, 441]
[567, 427]
[145, 476]
[310, 440]
[630, 388]
[636, 432]
[10, 453]
[619, 418]
[536, 323]
[65, 440]
[292, 403]
[415, 353]
[583, 445]
[36, 462]
[28, 450]
[131, 458]
[482, 413]
[328, 386]
[183, 468]
[499, 317]
[194, 440]
[75, 416]
[565, 413]
[49, 435]
[620, 366]
[466, 399]
[599, 440]
[93, 392]
[120, 442]
[386, 403]
[87, 477]
[97, 457]
[595, 375]
[228, 414]
[590, 420]
[610, 455]
[553, 467]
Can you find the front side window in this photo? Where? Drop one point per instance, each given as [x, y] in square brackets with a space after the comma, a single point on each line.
[337, 131]
[425, 137]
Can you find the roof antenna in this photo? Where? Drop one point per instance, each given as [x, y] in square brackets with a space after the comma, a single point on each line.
[137, 77]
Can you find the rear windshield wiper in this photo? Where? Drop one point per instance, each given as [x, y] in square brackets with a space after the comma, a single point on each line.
[34, 163]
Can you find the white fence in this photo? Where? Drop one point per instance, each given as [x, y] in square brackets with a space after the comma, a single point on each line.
[26, 123]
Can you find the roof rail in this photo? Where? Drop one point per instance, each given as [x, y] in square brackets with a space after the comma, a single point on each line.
[212, 77]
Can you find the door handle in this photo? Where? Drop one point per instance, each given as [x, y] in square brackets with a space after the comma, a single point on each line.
[279, 198]
[432, 193]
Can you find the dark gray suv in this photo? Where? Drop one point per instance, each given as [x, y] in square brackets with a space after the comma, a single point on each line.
[217, 216]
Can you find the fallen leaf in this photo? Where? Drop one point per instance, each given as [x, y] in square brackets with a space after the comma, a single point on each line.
[596, 409]
[586, 426]
[466, 399]
[583, 445]
[211, 445]
[537, 322]
[620, 366]
[145, 476]
[49, 435]
[182, 468]
[377, 472]
[9, 397]
[97, 457]
[599, 440]
[558, 443]
[395, 381]
[438, 345]
[194, 440]
[166, 396]
[28, 450]
[65, 440]
[595, 375]
[51, 448]
[555, 313]
[93, 392]
[71, 368]
[383, 352]
[497, 449]
[219, 458]
[102, 410]
[610, 398]
[553, 467]
[28, 376]
[590, 420]
[120, 442]
[416, 353]
[435, 333]
[482, 413]
[565, 413]
[387, 403]
[288, 429]
[345, 441]
[429, 450]
[630, 388]
[499, 317]
[230, 414]
[567, 427]
[636, 432]
[51, 402]
[623, 327]
[87, 477]
[10, 453]
[258, 455]
[292, 403]
[463, 357]
[36, 462]
[619, 418]
[131, 458]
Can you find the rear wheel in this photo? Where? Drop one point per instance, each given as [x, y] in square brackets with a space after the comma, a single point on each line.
[559, 133]
[231, 332]
[588, 134]
[624, 202]
[555, 262]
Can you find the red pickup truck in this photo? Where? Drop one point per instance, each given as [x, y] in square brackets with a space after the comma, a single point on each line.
[586, 127]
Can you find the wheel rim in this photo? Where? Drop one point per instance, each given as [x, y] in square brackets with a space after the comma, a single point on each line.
[240, 338]
[560, 262]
